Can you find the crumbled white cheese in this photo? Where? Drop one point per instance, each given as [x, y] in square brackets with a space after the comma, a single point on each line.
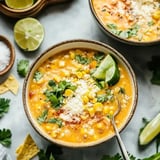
[4, 55]
[144, 9]
[74, 106]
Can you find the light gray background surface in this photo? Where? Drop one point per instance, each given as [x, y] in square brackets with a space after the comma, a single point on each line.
[73, 21]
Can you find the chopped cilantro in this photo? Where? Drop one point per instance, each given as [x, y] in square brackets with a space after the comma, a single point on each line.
[5, 137]
[82, 59]
[50, 153]
[55, 93]
[22, 67]
[124, 34]
[37, 76]
[122, 90]
[105, 97]
[151, 23]
[56, 121]
[99, 56]
[42, 118]
[4, 106]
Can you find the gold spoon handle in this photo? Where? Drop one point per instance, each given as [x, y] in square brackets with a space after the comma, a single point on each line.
[120, 142]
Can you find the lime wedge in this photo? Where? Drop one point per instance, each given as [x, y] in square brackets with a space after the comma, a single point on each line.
[19, 4]
[28, 34]
[107, 70]
[151, 130]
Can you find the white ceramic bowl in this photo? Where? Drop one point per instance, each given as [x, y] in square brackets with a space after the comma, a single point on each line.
[81, 44]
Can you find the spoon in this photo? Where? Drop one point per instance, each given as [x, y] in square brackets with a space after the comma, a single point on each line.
[31, 11]
[120, 142]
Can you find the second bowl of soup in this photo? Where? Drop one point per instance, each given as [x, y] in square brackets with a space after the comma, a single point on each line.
[130, 21]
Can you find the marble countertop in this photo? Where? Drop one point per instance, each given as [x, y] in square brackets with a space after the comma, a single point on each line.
[68, 21]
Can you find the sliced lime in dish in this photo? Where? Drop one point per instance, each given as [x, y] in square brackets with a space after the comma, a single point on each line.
[19, 4]
[151, 130]
[28, 33]
[107, 70]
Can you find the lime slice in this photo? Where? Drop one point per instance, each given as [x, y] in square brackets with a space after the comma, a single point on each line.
[107, 70]
[151, 130]
[28, 34]
[19, 4]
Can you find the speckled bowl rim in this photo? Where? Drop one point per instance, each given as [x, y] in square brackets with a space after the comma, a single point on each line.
[118, 38]
[71, 43]
[12, 55]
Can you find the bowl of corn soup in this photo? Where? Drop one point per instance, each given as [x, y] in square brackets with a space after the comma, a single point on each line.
[130, 21]
[71, 92]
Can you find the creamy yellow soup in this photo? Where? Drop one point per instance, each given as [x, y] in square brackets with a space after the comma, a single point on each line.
[70, 105]
[136, 20]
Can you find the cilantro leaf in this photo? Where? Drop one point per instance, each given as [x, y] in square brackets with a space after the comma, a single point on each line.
[56, 121]
[50, 154]
[5, 137]
[115, 157]
[99, 56]
[37, 76]
[42, 118]
[55, 93]
[82, 59]
[4, 106]
[22, 67]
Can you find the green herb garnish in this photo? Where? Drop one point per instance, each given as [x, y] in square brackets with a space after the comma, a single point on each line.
[56, 121]
[37, 76]
[99, 56]
[22, 67]
[43, 117]
[124, 34]
[4, 106]
[105, 97]
[82, 59]
[50, 153]
[55, 93]
[5, 137]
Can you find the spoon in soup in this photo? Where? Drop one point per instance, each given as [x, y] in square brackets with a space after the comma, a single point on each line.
[30, 11]
[120, 142]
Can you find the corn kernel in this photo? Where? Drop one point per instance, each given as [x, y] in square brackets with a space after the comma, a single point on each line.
[68, 93]
[85, 99]
[57, 78]
[84, 117]
[91, 95]
[156, 15]
[91, 111]
[85, 107]
[79, 74]
[98, 106]
[94, 100]
[54, 134]
[105, 110]
[111, 112]
[48, 127]
[72, 54]
[100, 125]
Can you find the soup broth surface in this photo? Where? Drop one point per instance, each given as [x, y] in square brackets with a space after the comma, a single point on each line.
[70, 105]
